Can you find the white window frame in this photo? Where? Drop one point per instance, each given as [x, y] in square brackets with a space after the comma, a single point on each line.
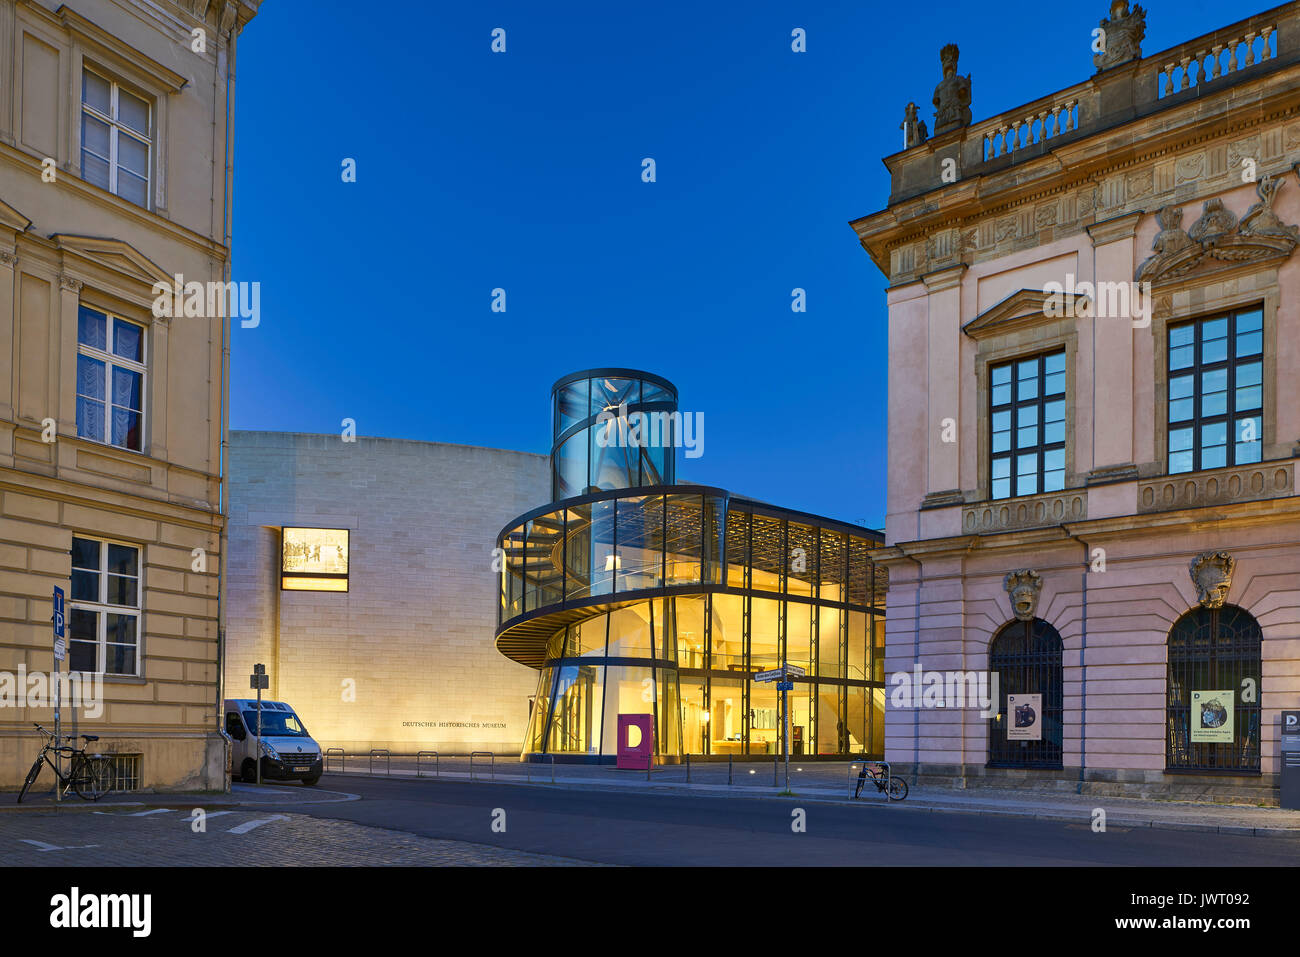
[103, 608]
[115, 129]
[110, 360]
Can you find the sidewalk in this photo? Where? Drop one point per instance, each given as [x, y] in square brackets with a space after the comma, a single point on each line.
[1076, 809]
[287, 796]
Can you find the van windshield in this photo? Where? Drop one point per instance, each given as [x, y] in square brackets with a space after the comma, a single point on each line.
[276, 724]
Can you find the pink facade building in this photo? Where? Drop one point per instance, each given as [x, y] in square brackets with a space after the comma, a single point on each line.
[1094, 420]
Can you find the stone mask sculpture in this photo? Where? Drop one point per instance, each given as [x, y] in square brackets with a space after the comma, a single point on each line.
[1212, 577]
[1023, 586]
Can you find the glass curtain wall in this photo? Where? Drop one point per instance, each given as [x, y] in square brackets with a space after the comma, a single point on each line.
[770, 589]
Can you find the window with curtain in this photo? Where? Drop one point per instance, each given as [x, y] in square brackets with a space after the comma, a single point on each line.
[110, 379]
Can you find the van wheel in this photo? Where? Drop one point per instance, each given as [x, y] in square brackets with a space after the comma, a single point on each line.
[311, 782]
[249, 772]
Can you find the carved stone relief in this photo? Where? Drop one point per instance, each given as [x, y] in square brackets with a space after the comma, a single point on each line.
[1123, 32]
[1024, 586]
[1212, 577]
[1217, 235]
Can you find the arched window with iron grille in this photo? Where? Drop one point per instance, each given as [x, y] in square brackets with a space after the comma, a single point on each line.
[1027, 658]
[1214, 649]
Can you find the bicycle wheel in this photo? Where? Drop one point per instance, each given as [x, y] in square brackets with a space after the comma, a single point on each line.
[93, 778]
[32, 775]
[897, 789]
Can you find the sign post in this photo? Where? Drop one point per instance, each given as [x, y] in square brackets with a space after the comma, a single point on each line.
[782, 677]
[258, 680]
[60, 649]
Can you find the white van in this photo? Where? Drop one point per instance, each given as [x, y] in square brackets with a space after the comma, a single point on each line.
[288, 752]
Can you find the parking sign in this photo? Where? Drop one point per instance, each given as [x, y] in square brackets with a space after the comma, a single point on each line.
[59, 647]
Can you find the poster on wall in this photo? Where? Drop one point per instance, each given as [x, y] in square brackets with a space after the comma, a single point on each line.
[1024, 717]
[314, 559]
[1212, 716]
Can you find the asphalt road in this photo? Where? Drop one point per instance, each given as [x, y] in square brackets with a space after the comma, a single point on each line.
[678, 829]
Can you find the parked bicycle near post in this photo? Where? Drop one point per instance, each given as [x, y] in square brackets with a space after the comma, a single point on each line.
[90, 775]
[879, 774]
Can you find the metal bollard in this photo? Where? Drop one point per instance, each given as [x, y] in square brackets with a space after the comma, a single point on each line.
[688, 769]
[776, 770]
[728, 770]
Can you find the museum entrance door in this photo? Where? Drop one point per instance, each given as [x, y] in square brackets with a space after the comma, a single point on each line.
[1027, 658]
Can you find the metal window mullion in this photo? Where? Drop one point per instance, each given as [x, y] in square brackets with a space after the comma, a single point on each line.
[1230, 400]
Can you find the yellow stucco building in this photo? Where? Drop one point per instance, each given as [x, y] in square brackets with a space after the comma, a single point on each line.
[115, 177]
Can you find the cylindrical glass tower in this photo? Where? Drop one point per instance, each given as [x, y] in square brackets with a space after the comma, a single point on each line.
[607, 431]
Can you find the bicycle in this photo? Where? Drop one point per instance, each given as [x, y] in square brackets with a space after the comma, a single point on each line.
[878, 772]
[90, 775]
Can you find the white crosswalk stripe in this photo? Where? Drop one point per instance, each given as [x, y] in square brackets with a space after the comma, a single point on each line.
[249, 825]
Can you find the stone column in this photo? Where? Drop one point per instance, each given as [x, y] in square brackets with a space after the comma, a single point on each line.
[64, 340]
[8, 304]
[943, 482]
[1113, 347]
[155, 412]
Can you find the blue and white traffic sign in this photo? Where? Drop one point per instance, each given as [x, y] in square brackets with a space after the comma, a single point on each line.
[60, 646]
[58, 612]
[785, 686]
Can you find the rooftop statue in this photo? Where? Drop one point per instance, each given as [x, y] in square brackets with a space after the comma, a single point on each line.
[914, 131]
[952, 95]
[1121, 35]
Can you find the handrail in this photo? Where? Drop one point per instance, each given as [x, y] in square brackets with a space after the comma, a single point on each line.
[381, 753]
[483, 754]
[420, 754]
[340, 754]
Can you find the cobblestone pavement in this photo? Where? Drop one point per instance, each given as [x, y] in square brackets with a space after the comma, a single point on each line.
[261, 836]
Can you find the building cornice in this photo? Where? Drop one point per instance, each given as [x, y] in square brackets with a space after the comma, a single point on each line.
[1177, 153]
[1207, 518]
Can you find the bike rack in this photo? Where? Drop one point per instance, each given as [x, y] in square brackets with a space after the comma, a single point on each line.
[420, 754]
[528, 768]
[492, 762]
[336, 753]
[381, 753]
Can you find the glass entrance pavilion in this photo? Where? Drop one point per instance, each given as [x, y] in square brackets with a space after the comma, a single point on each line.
[640, 596]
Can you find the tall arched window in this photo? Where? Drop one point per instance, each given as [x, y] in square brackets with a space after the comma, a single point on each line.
[1214, 650]
[1027, 658]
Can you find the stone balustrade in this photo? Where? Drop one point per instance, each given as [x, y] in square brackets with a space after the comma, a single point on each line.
[1012, 132]
[1192, 66]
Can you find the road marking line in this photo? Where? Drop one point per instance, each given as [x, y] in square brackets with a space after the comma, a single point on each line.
[42, 846]
[218, 813]
[249, 825]
[157, 810]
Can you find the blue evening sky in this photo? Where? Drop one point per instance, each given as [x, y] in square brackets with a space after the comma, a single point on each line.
[522, 171]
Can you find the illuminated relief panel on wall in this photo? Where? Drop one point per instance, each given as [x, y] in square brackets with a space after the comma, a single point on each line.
[314, 559]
